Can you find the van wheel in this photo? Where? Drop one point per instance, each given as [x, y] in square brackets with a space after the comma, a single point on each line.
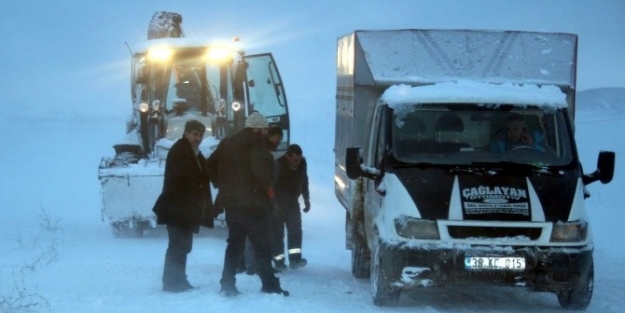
[383, 268]
[579, 297]
[361, 256]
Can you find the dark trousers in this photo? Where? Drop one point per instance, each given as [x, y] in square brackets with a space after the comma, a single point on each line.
[180, 244]
[247, 261]
[257, 230]
[291, 218]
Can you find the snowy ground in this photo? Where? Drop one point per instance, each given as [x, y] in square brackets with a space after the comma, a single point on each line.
[65, 99]
[56, 251]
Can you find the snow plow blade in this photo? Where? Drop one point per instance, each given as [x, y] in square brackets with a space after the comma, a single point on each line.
[128, 195]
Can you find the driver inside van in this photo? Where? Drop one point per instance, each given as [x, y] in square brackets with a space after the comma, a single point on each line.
[516, 136]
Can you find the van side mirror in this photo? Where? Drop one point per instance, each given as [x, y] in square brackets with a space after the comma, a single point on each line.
[353, 162]
[605, 169]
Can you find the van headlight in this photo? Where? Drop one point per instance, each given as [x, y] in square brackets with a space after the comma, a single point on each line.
[569, 231]
[416, 228]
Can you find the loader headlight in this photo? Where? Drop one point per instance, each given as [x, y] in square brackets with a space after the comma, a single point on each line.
[160, 53]
[569, 231]
[416, 228]
[143, 107]
[219, 53]
[236, 105]
[223, 51]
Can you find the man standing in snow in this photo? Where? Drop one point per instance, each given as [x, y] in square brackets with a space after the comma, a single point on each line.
[248, 262]
[244, 172]
[183, 203]
[291, 181]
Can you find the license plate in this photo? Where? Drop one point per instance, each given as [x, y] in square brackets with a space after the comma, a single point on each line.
[494, 263]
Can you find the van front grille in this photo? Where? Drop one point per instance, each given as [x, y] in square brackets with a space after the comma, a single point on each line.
[464, 232]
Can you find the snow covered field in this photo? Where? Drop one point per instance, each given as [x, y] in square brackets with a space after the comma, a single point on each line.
[57, 252]
[65, 98]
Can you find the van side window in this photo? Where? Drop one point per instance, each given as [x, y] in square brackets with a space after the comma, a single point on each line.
[380, 139]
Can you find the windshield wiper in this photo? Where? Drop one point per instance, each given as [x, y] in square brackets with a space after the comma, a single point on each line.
[484, 168]
[499, 163]
[510, 165]
[419, 164]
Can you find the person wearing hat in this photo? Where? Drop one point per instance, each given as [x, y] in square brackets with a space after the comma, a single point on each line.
[248, 262]
[241, 168]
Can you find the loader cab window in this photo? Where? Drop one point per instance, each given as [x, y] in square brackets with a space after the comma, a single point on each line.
[220, 91]
[186, 80]
[470, 133]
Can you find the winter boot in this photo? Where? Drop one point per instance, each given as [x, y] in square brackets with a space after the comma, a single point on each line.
[186, 284]
[229, 289]
[273, 286]
[279, 265]
[252, 270]
[177, 286]
[295, 264]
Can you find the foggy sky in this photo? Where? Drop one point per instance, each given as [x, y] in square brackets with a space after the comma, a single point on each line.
[69, 58]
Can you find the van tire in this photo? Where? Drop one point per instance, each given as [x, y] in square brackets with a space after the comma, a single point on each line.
[579, 297]
[361, 256]
[383, 268]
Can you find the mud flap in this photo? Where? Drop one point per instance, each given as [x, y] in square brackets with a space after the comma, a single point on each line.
[361, 262]
[386, 266]
[361, 256]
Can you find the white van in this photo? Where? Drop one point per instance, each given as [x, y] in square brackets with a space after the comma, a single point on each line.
[456, 162]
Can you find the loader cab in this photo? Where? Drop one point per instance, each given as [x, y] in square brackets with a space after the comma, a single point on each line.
[175, 80]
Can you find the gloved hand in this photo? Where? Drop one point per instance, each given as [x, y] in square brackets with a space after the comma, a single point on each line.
[270, 193]
[306, 205]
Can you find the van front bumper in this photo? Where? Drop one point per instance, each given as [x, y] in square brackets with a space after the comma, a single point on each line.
[545, 268]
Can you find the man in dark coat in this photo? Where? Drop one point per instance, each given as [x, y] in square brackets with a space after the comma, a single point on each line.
[290, 182]
[248, 262]
[244, 172]
[183, 203]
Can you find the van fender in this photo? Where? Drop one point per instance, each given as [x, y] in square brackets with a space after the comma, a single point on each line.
[396, 202]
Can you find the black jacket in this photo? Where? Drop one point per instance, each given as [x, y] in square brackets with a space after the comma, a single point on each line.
[290, 184]
[186, 195]
[242, 169]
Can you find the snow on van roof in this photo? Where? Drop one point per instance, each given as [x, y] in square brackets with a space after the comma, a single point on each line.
[476, 92]
[418, 56]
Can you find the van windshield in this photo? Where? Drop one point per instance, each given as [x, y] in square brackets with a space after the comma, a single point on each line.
[487, 133]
